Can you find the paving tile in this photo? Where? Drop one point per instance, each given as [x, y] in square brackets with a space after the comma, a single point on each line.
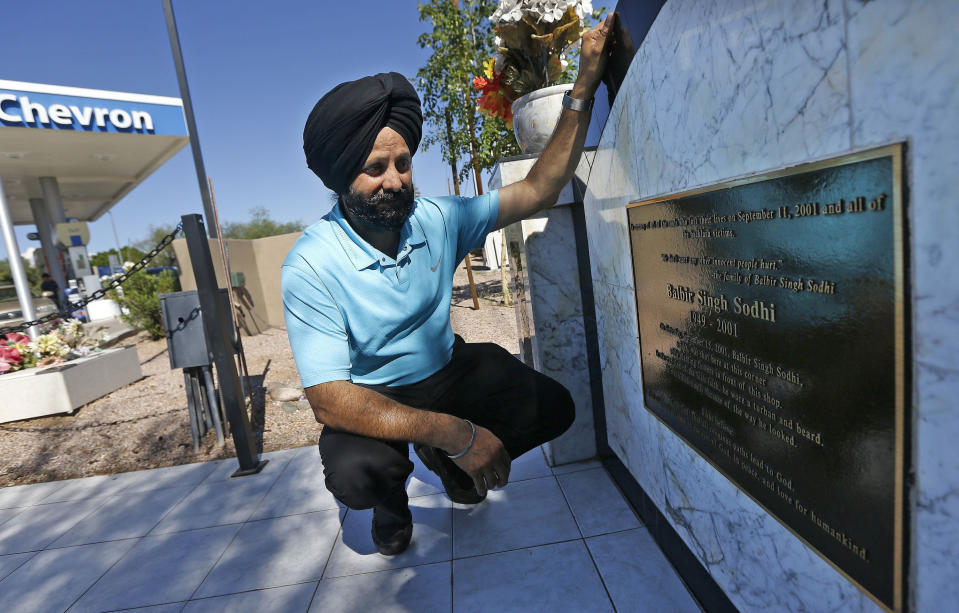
[87, 487]
[173, 607]
[274, 552]
[354, 551]
[597, 504]
[53, 579]
[558, 578]
[637, 574]
[224, 469]
[124, 516]
[11, 562]
[300, 489]
[290, 454]
[159, 569]
[523, 514]
[7, 514]
[41, 525]
[216, 504]
[420, 588]
[573, 467]
[530, 465]
[289, 599]
[168, 476]
[26, 495]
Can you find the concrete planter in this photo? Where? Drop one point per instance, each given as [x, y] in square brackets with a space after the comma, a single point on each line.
[63, 389]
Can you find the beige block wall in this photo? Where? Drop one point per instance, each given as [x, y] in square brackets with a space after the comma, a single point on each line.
[261, 305]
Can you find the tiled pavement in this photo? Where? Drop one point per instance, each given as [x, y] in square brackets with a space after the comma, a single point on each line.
[189, 538]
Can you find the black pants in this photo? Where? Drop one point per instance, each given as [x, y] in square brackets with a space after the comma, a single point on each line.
[482, 383]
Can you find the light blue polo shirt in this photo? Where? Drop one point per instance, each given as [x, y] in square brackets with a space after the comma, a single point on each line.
[354, 313]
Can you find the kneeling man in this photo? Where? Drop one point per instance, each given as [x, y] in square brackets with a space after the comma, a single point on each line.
[366, 295]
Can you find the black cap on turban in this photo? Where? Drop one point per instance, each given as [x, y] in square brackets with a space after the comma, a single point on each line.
[342, 127]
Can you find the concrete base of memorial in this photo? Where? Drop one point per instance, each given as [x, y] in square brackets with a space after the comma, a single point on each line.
[65, 388]
[549, 307]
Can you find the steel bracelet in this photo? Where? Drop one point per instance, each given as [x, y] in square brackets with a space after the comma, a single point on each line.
[468, 447]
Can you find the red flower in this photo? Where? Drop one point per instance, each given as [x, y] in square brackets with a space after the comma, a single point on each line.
[17, 338]
[10, 355]
[492, 100]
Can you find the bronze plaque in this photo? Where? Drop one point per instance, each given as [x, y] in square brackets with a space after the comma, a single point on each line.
[772, 339]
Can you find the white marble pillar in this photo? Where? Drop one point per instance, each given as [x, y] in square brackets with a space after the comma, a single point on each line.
[549, 305]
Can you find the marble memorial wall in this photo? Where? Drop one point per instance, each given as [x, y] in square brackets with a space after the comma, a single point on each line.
[730, 89]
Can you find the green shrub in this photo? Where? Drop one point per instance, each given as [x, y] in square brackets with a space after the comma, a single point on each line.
[140, 300]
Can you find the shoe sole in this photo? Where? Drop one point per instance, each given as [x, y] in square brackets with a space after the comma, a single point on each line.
[458, 494]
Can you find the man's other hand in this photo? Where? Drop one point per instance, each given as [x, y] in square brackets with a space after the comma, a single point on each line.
[487, 462]
[593, 56]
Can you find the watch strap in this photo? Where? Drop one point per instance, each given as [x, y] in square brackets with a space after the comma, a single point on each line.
[575, 104]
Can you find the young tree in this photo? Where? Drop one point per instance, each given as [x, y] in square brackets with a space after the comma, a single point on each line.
[461, 40]
[260, 225]
[155, 234]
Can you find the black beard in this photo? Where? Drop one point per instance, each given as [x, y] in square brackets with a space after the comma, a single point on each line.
[386, 211]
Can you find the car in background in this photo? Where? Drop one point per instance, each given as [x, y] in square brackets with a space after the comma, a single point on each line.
[10, 312]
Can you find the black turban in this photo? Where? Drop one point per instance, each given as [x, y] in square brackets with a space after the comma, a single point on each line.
[342, 127]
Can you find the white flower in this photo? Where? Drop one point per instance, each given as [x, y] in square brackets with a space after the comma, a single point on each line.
[127, 265]
[512, 11]
[508, 11]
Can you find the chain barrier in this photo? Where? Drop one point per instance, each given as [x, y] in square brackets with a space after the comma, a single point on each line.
[100, 293]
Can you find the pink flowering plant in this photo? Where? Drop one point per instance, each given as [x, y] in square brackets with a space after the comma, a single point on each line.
[14, 352]
[64, 342]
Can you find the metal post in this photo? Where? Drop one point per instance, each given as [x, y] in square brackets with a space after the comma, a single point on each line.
[191, 409]
[188, 113]
[206, 375]
[116, 239]
[216, 324]
[16, 264]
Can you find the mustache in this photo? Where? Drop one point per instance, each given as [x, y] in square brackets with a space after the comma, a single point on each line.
[390, 197]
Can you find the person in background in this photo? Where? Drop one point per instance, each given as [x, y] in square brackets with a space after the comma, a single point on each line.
[50, 289]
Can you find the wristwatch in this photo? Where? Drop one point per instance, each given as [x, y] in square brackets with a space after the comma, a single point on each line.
[575, 104]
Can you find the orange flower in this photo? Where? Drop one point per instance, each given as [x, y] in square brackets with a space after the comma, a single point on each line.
[493, 100]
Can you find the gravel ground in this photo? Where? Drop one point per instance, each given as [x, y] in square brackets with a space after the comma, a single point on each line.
[145, 425]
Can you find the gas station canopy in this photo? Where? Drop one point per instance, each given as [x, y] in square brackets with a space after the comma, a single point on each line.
[98, 144]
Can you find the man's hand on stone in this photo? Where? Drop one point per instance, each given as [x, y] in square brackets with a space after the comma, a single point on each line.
[593, 56]
[487, 462]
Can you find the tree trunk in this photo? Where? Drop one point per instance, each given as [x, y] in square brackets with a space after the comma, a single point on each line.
[456, 187]
[504, 276]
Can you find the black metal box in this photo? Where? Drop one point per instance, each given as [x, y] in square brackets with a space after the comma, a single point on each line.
[186, 339]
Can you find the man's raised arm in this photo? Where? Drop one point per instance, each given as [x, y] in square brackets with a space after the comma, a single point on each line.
[555, 167]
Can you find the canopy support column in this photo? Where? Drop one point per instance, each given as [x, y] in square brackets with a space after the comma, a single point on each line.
[51, 195]
[42, 220]
[16, 264]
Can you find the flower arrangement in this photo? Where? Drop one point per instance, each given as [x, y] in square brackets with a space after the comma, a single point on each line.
[533, 37]
[65, 342]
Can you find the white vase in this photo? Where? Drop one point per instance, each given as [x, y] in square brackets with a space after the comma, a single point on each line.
[535, 116]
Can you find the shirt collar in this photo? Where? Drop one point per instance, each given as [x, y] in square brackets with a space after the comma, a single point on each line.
[361, 253]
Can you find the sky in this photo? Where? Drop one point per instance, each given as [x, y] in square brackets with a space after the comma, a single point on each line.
[255, 70]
